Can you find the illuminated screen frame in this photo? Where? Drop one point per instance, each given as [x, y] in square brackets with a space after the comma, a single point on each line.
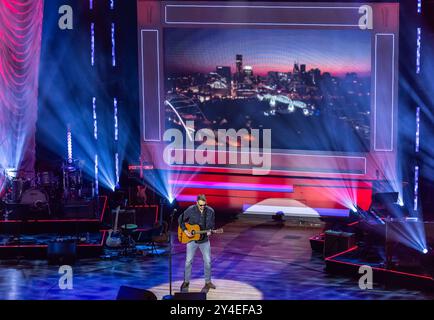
[154, 16]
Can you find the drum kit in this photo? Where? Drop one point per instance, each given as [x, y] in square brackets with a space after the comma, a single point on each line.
[41, 191]
[32, 192]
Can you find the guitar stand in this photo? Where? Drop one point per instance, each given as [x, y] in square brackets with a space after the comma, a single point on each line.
[128, 245]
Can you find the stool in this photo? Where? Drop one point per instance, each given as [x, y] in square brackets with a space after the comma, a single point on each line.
[127, 231]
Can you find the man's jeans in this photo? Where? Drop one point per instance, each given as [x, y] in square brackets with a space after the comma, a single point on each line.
[205, 248]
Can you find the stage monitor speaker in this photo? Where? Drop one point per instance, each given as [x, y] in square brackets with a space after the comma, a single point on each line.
[63, 252]
[189, 296]
[336, 242]
[130, 293]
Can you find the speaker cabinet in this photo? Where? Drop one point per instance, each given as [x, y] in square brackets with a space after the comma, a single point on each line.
[130, 293]
[336, 242]
[189, 296]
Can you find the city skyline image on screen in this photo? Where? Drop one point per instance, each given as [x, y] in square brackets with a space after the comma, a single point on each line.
[312, 88]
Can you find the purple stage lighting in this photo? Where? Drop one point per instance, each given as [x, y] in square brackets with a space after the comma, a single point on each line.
[92, 44]
[113, 45]
[69, 144]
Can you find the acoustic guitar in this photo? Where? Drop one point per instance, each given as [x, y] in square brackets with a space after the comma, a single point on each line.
[195, 231]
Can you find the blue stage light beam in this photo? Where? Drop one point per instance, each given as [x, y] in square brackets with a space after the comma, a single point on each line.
[84, 111]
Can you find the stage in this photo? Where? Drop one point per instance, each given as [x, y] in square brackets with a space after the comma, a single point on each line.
[254, 259]
[305, 126]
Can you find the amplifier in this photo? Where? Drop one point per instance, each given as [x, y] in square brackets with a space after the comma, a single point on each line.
[335, 242]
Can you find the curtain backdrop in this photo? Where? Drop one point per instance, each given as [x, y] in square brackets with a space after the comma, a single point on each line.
[20, 45]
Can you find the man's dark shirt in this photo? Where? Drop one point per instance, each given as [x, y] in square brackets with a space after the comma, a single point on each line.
[192, 215]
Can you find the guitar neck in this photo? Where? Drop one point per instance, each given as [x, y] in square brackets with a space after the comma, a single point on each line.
[116, 219]
[204, 231]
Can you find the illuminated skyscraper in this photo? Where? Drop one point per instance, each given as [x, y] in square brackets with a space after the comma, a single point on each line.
[248, 71]
[239, 63]
[224, 72]
[239, 77]
[296, 69]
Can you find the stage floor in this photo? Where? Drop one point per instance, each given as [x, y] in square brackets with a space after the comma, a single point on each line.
[253, 259]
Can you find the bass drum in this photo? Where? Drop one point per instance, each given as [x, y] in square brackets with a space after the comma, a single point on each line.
[35, 198]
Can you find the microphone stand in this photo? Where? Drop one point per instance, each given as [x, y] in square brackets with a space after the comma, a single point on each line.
[170, 296]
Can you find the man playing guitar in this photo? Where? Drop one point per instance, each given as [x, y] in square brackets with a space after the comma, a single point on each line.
[204, 216]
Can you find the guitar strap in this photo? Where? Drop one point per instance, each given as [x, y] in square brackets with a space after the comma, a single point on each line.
[206, 210]
[205, 218]
[183, 215]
